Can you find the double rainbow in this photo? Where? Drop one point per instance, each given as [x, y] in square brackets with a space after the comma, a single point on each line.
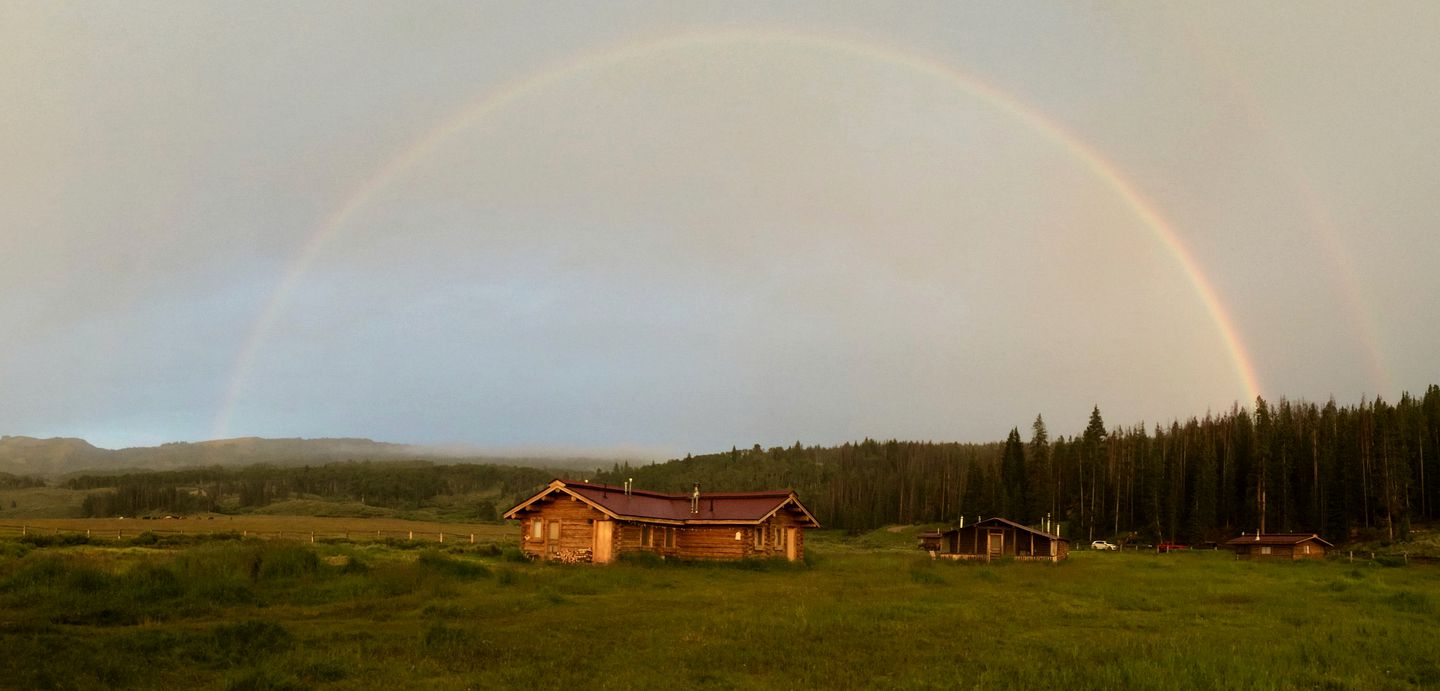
[507, 93]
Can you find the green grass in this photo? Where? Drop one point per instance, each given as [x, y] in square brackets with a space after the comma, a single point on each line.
[864, 612]
[42, 502]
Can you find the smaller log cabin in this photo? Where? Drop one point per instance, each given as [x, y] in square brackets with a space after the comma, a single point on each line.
[996, 538]
[588, 522]
[1279, 546]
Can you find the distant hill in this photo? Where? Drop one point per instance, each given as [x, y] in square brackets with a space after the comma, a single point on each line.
[31, 456]
[57, 456]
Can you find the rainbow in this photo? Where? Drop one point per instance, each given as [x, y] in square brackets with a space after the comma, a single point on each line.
[1318, 219]
[502, 96]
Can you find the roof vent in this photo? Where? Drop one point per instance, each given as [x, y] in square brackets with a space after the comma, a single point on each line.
[695, 500]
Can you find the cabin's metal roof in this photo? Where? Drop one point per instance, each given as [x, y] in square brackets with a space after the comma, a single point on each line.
[1276, 539]
[643, 505]
[1012, 524]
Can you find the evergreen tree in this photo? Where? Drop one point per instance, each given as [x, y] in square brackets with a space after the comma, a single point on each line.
[1041, 490]
[1014, 479]
[1093, 452]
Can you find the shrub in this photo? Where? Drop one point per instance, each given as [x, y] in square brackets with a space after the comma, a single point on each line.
[926, 577]
[263, 680]
[433, 561]
[149, 582]
[514, 554]
[1390, 560]
[9, 549]
[447, 638]
[645, 559]
[56, 540]
[247, 640]
[285, 561]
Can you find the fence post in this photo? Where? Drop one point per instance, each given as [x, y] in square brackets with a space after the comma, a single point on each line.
[412, 535]
[312, 537]
[244, 533]
[442, 537]
[472, 538]
[119, 534]
[24, 530]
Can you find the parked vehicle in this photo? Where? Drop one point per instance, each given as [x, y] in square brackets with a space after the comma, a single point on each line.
[1170, 547]
[1103, 545]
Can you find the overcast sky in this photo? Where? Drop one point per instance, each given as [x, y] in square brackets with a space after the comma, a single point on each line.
[669, 227]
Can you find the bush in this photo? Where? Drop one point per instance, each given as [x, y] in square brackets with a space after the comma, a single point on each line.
[433, 561]
[644, 559]
[285, 561]
[14, 549]
[149, 582]
[247, 640]
[514, 554]
[1390, 560]
[263, 680]
[56, 540]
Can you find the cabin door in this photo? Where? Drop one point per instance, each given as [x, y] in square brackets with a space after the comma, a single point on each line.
[996, 544]
[792, 544]
[552, 543]
[604, 542]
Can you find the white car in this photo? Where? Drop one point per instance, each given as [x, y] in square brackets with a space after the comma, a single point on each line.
[1102, 545]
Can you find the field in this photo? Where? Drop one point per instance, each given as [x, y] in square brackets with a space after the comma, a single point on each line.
[302, 528]
[865, 612]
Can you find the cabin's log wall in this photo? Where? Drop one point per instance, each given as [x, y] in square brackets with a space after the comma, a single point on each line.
[576, 520]
[1317, 551]
[1281, 552]
[972, 541]
[717, 542]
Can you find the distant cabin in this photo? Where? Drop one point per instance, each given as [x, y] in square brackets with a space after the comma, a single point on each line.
[996, 538]
[587, 522]
[1288, 546]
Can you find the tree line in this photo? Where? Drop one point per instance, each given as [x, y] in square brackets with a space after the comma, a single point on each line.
[11, 481]
[395, 485]
[1287, 466]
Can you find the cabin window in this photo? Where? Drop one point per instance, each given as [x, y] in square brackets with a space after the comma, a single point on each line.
[1307, 549]
[646, 538]
[537, 530]
[759, 538]
[670, 538]
[1265, 549]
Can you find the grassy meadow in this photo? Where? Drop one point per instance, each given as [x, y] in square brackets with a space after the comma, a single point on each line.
[864, 612]
[324, 528]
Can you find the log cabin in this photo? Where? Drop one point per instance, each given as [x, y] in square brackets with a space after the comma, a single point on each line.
[996, 538]
[589, 522]
[1279, 546]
